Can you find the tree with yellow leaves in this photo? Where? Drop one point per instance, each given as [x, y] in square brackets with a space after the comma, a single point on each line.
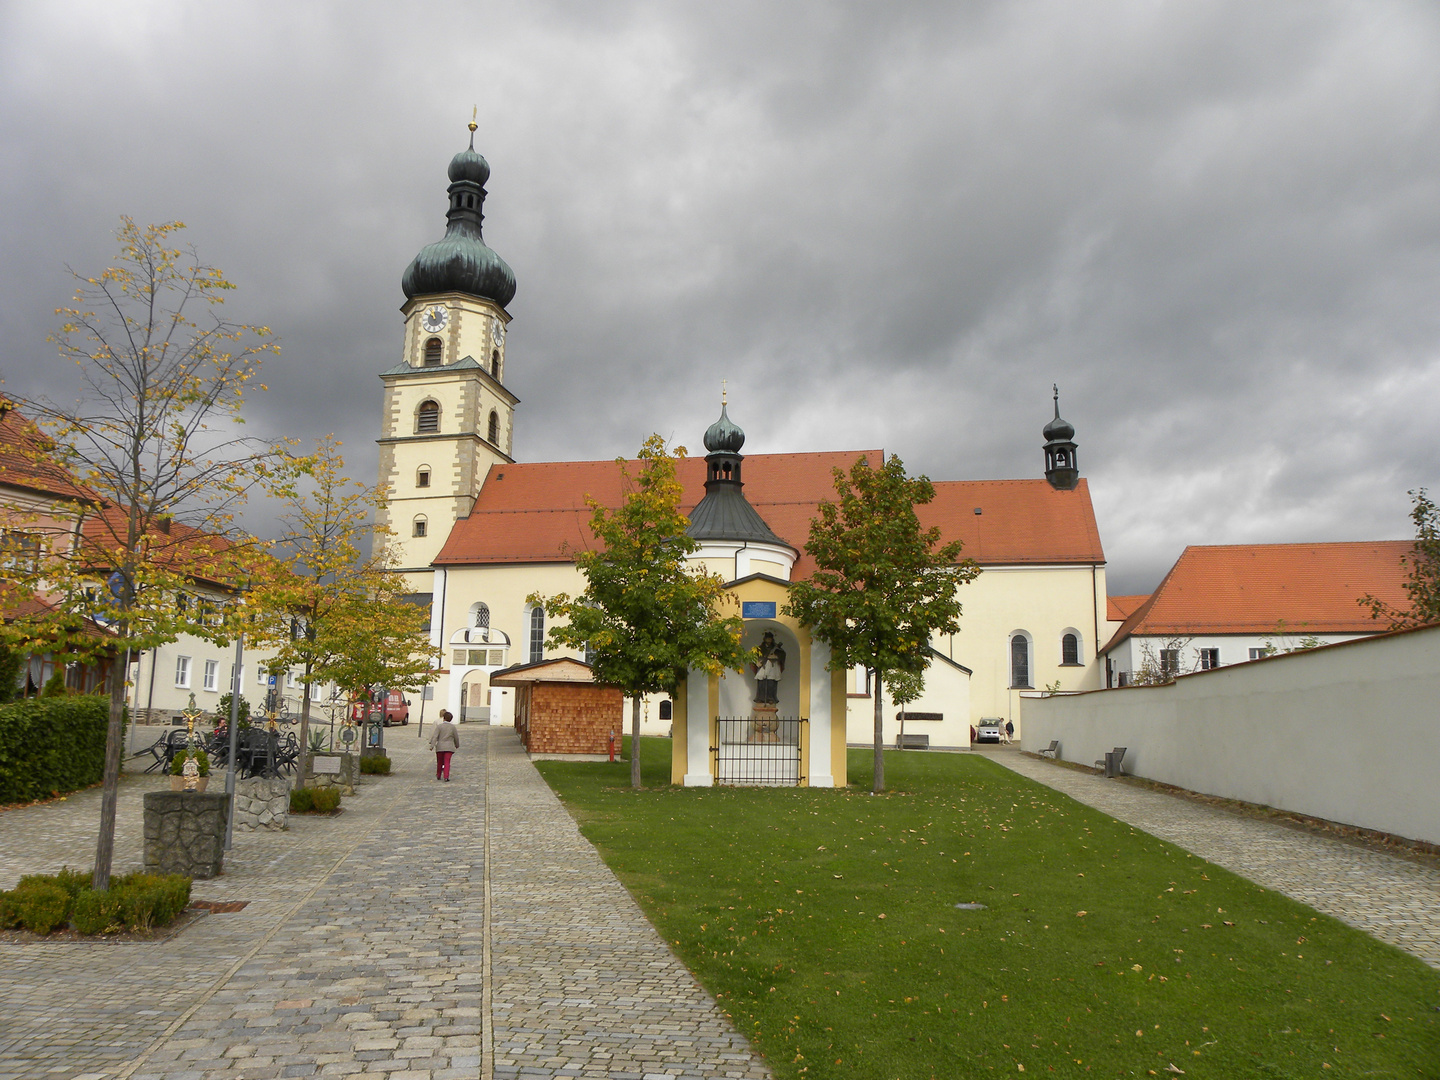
[151, 441]
[324, 598]
[646, 616]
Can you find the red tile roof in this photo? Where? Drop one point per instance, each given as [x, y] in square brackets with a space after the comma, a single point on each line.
[23, 464]
[1251, 588]
[188, 550]
[528, 513]
[1120, 608]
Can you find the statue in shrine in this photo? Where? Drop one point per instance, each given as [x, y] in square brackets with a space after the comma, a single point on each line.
[769, 668]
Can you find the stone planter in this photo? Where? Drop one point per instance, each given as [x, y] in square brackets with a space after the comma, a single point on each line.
[262, 802]
[185, 833]
[177, 783]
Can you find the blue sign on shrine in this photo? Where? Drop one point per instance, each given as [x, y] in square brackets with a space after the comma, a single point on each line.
[757, 609]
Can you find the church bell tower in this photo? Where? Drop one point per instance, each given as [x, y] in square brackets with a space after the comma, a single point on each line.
[447, 414]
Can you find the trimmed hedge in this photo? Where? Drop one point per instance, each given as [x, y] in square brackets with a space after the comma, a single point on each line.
[314, 800]
[49, 746]
[43, 902]
[375, 765]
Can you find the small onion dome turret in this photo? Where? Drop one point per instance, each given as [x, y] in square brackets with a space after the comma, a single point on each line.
[724, 435]
[460, 261]
[1062, 468]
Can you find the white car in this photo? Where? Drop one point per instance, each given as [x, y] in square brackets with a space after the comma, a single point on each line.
[988, 731]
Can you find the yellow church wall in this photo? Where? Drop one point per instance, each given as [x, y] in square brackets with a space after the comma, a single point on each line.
[1044, 602]
[468, 330]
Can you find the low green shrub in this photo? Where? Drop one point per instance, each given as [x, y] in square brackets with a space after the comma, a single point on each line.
[95, 913]
[314, 800]
[376, 765]
[42, 902]
[40, 906]
[177, 766]
[146, 900]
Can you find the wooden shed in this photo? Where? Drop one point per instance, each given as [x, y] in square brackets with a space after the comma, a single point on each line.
[560, 710]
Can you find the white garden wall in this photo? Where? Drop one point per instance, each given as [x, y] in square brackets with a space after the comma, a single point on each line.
[1349, 732]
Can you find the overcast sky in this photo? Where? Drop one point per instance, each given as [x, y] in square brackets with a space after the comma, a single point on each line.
[1215, 225]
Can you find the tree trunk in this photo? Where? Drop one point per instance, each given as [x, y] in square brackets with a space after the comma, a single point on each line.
[114, 737]
[879, 736]
[635, 741]
[900, 742]
[304, 768]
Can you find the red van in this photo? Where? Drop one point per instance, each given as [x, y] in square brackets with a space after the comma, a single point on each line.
[397, 708]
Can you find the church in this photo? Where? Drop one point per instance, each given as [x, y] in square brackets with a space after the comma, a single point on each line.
[476, 532]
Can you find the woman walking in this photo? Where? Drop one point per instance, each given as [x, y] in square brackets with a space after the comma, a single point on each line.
[444, 740]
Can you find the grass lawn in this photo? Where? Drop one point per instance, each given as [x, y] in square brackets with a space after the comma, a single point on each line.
[825, 923]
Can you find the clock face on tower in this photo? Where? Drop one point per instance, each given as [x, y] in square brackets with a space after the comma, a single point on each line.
[497, 333]
[435, 319]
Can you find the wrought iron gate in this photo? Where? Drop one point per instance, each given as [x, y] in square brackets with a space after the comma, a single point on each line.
[758, 751]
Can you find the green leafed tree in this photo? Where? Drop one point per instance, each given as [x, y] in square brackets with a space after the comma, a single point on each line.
[151, 441]
[1422, 583]
[323, 598]
[645, 616]
[905, 687]
[883, 585]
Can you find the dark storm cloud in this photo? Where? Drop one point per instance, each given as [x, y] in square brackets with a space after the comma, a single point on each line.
[1215, 225]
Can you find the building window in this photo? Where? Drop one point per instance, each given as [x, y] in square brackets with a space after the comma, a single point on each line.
[480, 615]
[422, 476]
[418, 527]
[537, 634]
[19, 550]
[1209, 659]
[1259, 654]
[495, 363]
[427, 417]
[1169, 662]
[434, 352]
[1070, 649]
[1020, 662]
[182, 672]
[212, 674]
[231, 684]
[589, 654]
[494, 435]
[667, 710]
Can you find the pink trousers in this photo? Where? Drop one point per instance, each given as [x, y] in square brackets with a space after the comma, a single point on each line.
[442, 764]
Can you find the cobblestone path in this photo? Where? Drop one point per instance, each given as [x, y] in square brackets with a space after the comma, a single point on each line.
[1392, 898]
[376, 943]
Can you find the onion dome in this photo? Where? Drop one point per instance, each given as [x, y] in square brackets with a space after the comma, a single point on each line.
[460, 261]
[724, 514]
[724, 435]
[1062, 468]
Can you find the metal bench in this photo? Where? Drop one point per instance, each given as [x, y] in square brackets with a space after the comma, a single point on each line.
[1053, 750]
[1112, 762]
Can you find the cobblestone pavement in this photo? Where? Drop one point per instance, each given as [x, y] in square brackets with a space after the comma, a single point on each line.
[375, 943]
[1392, 898]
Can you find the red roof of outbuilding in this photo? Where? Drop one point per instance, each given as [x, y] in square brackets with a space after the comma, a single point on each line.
[530, 513]
[1252, 588]
[1120, 608]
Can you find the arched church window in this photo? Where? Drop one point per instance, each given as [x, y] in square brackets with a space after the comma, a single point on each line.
[434, 352]
[1070, 649]
[417, 528]
[422, 476]
[494, 435]
[480, 615]
[495, 363]
[537, 634]
[1020, 662]
[427, 417]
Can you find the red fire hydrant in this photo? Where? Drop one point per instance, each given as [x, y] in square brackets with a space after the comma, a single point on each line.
[612, 745]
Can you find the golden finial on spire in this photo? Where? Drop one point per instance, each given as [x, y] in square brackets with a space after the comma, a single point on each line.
[724, 392]
[474, 112]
